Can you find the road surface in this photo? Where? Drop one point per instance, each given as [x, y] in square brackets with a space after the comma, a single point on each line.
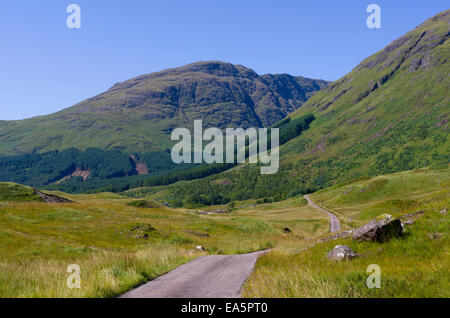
[212, 276]
[335, 225]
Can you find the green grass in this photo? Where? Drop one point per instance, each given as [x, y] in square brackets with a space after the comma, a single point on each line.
[414, 265]
[119, 246]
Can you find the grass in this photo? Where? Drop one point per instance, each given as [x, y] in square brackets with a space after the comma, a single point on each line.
[103, 274]
[119, 246]
[414, 265]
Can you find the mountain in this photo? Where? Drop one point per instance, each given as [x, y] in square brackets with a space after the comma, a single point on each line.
[389, 114]
[139, 114]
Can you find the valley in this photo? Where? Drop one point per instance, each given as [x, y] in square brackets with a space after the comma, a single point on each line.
[119, 245]
[362, 179]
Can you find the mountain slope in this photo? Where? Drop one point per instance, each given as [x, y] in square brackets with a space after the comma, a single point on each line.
[139, 114]
[389, 114]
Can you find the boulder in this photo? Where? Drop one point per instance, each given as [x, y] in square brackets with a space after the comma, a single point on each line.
[409, 222]
[341, 252]
[443, 211]
[287, 230]
[382, 229]
[200, 248]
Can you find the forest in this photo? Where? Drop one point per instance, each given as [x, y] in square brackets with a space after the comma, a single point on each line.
[114, 171]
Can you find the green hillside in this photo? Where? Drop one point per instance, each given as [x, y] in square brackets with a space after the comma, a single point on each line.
[138, 115]
[17, 192]
[389, 114]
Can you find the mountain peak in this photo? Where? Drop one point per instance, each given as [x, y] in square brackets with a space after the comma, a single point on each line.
[218, 68]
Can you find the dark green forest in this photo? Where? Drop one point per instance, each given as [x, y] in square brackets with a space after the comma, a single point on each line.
[114, 171]
[40, 170]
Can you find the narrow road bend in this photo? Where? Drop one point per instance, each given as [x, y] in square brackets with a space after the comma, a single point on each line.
[335, 225]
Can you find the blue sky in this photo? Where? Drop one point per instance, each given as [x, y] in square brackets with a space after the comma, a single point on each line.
[46, 67]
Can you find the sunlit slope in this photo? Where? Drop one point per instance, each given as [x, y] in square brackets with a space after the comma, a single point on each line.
[389, 114]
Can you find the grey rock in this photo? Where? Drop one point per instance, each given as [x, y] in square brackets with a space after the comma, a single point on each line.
[435, 236]
[200, 248]
[51, 198]
[443, 211]
[382, 229]
[409, 222]
[341, 252]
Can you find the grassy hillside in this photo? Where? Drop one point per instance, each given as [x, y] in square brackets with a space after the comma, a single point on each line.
[414, 265]
[389, 114]
[17, 192]
[138, 115]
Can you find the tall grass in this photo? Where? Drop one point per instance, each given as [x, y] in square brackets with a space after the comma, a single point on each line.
[414, 265]
[103, 274]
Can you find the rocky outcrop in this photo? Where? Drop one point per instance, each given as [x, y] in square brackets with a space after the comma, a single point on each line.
[341, 252]
[142, 231]
[51, 198]
[382, 229]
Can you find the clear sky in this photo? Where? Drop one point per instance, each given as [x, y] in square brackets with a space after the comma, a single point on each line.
[45, 66]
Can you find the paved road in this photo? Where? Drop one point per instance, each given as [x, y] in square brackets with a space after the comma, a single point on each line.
[335, 225]
[213, 276]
